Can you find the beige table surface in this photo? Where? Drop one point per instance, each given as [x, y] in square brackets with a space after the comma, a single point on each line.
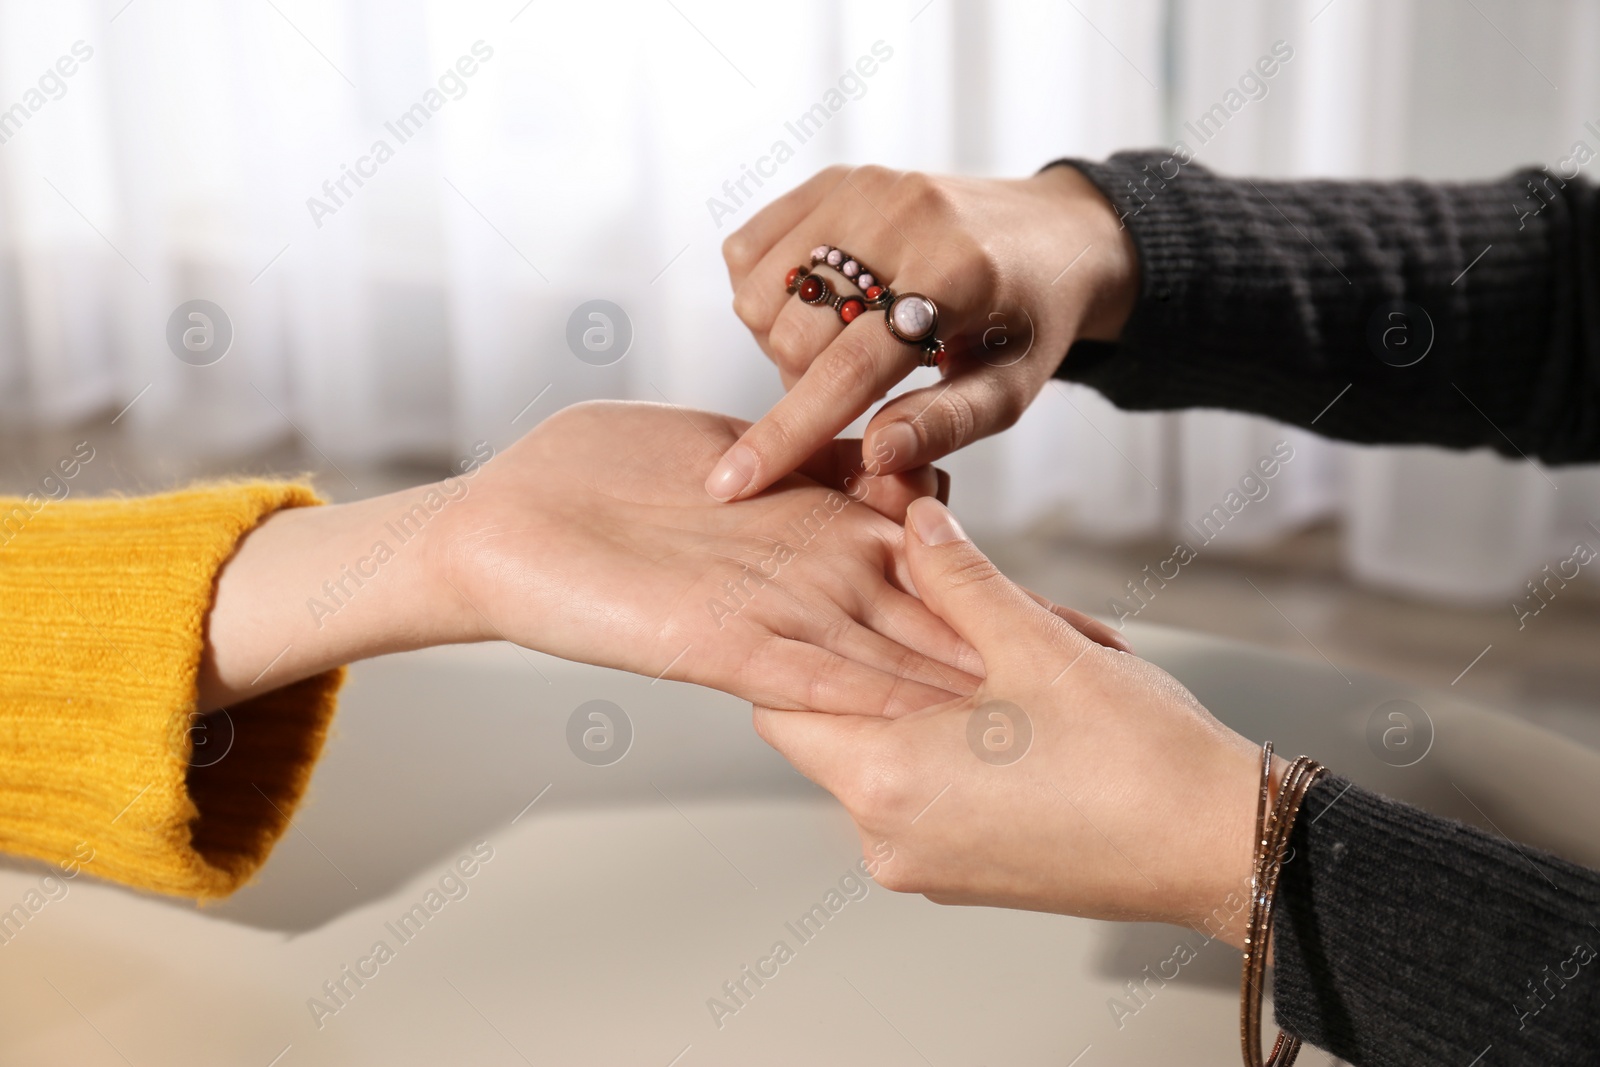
[624, 898]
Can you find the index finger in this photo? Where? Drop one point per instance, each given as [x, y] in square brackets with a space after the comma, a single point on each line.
[850, 375]
[747, 245]
[839, 465]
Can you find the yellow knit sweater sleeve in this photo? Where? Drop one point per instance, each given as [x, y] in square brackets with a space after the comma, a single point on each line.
[103, 763]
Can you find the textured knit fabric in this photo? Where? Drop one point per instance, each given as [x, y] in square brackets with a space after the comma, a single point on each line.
[1403, 938]
[103, 606]
[1273, 297]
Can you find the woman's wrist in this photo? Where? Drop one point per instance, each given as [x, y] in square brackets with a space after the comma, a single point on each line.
[1110, 281]
[310, 589]
[1217, 903]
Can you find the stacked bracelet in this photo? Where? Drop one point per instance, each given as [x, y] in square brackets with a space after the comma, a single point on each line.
[1274, 823]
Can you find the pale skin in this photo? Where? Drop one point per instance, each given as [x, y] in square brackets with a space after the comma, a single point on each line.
[595, 538]
[1020, 269]
[592, 539]
[1132, 802]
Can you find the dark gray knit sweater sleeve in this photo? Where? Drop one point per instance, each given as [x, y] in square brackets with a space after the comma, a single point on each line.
[1272, 297]
[1403, 938]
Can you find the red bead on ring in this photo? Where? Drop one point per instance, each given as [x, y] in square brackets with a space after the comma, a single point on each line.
[911, 317]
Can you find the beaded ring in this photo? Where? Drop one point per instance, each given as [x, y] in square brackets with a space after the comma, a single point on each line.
[876, 295]
[911, 318]
[814, 289]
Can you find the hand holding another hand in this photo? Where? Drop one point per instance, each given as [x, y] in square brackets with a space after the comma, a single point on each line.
[1076, 779]
[592, 538]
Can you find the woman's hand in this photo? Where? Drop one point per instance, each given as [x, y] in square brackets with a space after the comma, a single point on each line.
[1077, 779]
[591, 539]
[1019, 270]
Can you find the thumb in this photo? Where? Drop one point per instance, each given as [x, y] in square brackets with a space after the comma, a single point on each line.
[824, 747]
[959, 584]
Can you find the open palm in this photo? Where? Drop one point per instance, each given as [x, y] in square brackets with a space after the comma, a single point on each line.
[593, 538]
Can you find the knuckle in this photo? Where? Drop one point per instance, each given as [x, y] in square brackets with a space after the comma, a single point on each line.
[835, 633]
[906, 662]
[977, 270]
[900, 696]
[824, 683]
[755, 671]
[747, 305]
[868, 175]
[739, 251]
[1009, 405]
[879, 787]
[852, 369]
[762, 724]
[778, 433]
[918, 195]
[899, 875]
[972, 569]
[960, 421]
[919, 427]
[791, 349]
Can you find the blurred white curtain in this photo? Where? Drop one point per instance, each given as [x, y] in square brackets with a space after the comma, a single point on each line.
[576, 162]
[1391, 89]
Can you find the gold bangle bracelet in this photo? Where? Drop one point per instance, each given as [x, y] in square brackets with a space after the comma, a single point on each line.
[1274, 824]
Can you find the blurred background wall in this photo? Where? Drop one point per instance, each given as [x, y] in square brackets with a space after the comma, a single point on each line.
[196, 151]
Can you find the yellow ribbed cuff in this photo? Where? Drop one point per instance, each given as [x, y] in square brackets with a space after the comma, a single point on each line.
[102, 622]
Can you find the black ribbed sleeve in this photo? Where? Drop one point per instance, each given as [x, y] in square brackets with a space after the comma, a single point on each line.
[1272, 297]
[1403, 938]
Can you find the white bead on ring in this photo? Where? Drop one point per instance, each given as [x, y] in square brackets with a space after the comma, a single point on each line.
[913, 319]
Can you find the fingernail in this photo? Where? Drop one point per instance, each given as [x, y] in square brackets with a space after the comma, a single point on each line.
[732, 473]
[894, 448]
[942, 481]
[934, 523]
